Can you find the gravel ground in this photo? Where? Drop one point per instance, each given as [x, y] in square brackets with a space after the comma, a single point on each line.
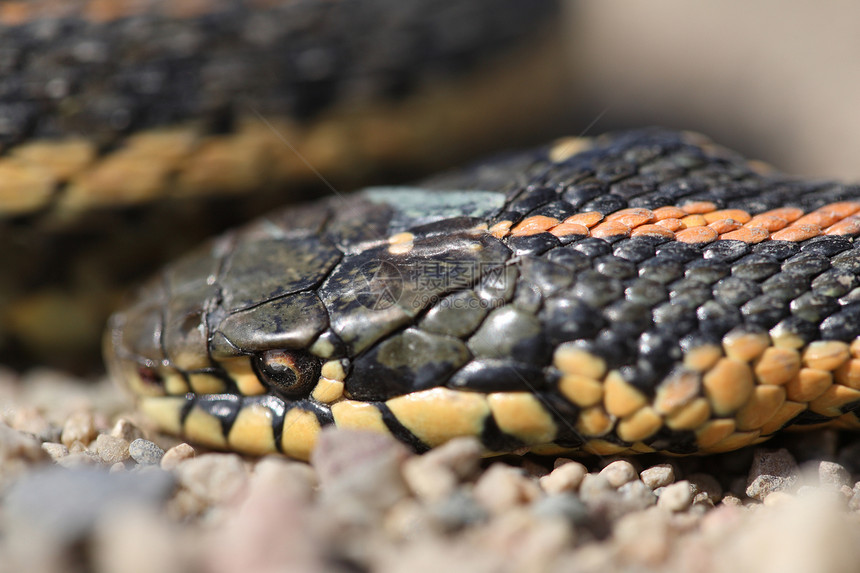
[86, 486]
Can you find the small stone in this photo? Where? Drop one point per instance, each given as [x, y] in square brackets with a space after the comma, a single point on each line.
[125, 429]
[112, 450]
[706, 484]
[359, 472]
[55, 450]
[30, 420]
[436, 474]
[636, 495]
[594, 486]
[79, 427]
[458, 510]
[565, 505]
[833, 475]
[214, 478]
[771, 471]
[175, 455]
[675, 497]
[83, 459]
[732, 500]
[565, 477]
[118, 467]
[644, 537]
[503, 487]
[660, 475]
[776, 498]
[145, 453]
[619, 472]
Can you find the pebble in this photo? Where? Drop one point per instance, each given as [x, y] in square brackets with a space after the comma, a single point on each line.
[79, 427]
[177, 454]
[214, 478]
[359, 472]
[55, 450]
[436, 474]
[831, 474]
[619, 472]
[706, 485]
[771, 471]
[503, 487]
[68, 503]
[775, 498]
[565, 477]
[675, 497]
[127, 430]
[458, 510]
[660, 475]
[565, 505]
[643, 538]
[593, 486]
[112, 450]
[636, 495]
[145, 453]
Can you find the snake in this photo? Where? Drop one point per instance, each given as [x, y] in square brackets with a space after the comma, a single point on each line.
[634, 292]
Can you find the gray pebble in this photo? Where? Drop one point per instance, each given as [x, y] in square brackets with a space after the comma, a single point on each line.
[66, 504]
[564, 505]
[145, 453]
[458, 510]
[636, 495]
[833, 475]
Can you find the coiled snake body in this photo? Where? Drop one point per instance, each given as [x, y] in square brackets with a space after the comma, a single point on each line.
[636, 292]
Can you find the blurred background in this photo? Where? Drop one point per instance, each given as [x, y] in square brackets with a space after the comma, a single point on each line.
[778, 80]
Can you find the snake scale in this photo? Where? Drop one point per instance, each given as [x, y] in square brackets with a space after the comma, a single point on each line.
[641, 291]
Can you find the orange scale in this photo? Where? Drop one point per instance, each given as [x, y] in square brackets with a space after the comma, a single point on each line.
[767, 222]
[652, 231]
[847, 226]
[738, 215]
[500, 229]
[699, 207]
[610, 229]
[697, 235]
[694, 221]
[632, 217]
[725, 226]
[668, 212]
[566, 229]
[790, 214]
[588, 219]
[534, 225]
[672, 224]
[797, 232]
[747, 235]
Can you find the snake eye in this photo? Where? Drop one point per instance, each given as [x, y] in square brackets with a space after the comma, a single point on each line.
[289, 373]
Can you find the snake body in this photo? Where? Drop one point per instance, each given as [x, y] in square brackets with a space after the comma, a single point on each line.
[636, 292]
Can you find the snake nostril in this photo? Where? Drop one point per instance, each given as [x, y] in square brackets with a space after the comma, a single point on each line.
[150, 377]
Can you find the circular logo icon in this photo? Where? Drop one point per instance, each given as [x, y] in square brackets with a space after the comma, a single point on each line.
[378, 285]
